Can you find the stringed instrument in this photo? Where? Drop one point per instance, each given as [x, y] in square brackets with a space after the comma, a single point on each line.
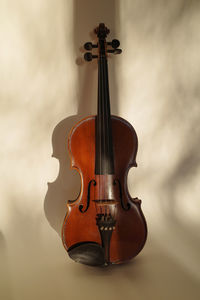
[104, 225]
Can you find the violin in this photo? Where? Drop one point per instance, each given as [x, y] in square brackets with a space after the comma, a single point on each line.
[104, 225]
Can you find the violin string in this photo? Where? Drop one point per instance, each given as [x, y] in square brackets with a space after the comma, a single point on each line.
[99, 131]
[106, 126]
[103, 124]
[104, 129]
[107, 112]
[103, 114]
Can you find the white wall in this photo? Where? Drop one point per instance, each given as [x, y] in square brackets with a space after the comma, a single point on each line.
[45, 87]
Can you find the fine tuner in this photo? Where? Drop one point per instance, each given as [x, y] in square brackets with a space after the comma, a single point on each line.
[88, 56]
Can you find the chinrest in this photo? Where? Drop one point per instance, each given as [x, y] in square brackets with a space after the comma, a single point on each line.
[88, 253]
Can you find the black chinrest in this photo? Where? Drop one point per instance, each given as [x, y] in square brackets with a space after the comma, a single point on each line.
[88, 253]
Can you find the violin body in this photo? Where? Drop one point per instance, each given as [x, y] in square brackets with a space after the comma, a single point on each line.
[104, 225]
[130, 232]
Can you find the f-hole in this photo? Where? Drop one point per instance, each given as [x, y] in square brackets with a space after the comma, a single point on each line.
[88, 197]
[120, 195]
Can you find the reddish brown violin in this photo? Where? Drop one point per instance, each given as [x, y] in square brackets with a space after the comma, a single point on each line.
[104, 225]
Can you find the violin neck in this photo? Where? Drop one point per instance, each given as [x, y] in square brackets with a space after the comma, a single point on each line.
[104, 162]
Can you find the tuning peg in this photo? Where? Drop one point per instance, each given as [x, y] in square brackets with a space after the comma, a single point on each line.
[88, 56]
[115, 51]
[115, 43]
[89, 46]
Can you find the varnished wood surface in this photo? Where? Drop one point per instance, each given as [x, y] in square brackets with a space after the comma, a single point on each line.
[130, 233]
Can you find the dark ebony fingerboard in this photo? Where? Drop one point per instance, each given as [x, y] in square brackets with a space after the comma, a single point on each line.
[104, 160]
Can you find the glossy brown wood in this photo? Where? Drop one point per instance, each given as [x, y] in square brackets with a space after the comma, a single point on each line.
[129, 235]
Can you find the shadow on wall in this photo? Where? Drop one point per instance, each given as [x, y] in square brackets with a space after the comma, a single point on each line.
[67, 184]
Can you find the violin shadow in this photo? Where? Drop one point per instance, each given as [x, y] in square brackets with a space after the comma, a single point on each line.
[62, 189]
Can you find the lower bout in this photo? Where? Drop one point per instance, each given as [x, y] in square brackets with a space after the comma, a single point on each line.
[89, 247]
[124, 250]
